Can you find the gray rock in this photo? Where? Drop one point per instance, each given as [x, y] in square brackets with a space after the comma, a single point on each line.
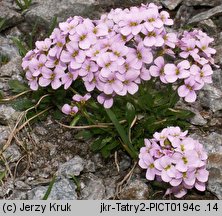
[18, 195]
[135, 190]
[213, 145]
[217, 77]
[63, 9]
[209, 26]
[7, 47]
[124, 3]
[37, 193]
[110, 185]
[63, 189]
[125, 162]
[183, 15]
[20, 185]
[171, 4]
[202, 2]
[216, 11]
[12, 153]
[13, 32]
[6, 114]
[198, 120]
[92, 187]
[211, 97]
[40, 130]
[90, 166]
[12, 17]
[13, 67]
[4, 133]
[7, 188]
[71, 167]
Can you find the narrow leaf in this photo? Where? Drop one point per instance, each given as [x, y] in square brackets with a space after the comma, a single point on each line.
[49, 188]
[130, 113]
[17, 86]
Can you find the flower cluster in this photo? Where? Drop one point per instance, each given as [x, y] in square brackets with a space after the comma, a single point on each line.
[173, 157]
[118, 52]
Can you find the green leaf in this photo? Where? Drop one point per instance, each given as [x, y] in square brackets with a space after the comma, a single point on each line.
[84, 135]
[33, 33]
[3, 24]
[22, 104]
[20, 45]
[107, 150]
[120, 129]
[17, 86]
[130, 112]
[146, 101]
[77, 182]
[96, 145]
[49, 188]
[2, 175]
[100, 143]
[1, 95]
[118, 126]
[52, 25]
[57, 114]
[180, 114]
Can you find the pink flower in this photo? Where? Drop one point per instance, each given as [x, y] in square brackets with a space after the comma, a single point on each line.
[68, 78]
[69, 27]
[51, 77]
[93, 82]
[43, 45]
[152, 19]
[81, 99]
[165, 17]
[73, 55]
[106, 100]
[147, 162]
[189, 48]
[183, 165]
[37, 65]
[141, 55]
[83, 36]
[170, 39]
[55, 63]
[100, 30]
[186, 160]
[157, 70]
[33, 81]
[119, 50]
[203, 44]
[107, 65]
[174, 72]
[168, 170]
[58, 43]
[112, 84]
[202, 75]
[188, 90]
[69, 110]
[178, 192]
[130, 25]
[88, 68]
[153, 38]
[128, 82]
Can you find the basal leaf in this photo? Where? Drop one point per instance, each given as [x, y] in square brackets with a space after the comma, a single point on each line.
[84, 135]
[130, 112]
[22, 104]
[17, 86]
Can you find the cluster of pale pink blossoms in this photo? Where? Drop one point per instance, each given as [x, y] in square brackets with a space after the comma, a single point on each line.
[115, 54]
[173, 157]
